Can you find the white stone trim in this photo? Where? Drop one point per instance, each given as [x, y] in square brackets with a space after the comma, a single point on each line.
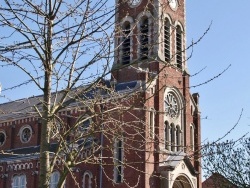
[178, 121]
[140, 17]
[90, 179]
[120, 38]
[21, 132]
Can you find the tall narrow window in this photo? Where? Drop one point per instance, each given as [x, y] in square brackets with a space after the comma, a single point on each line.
[151, 123]
[179, 47]
[87, 179]
[167, 40]
[192, 137]
[144, 39]
[178, 139]
[54, 179]
[167, 136]
[126, 44]
[118, 168]
[19, 181]
[172, 137]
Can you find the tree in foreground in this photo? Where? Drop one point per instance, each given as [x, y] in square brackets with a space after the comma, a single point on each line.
[231, 160]
[65, 49]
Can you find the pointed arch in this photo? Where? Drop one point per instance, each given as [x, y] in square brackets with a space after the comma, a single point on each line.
[178, 138]
[179, 45]
[54, 179]
[167, 136]
[174, 116]
[19, 181]
[192, 137]
[87, 179]
[126, 40]
[144, 28]
[167, 39]
[172, 137]
[118, 159]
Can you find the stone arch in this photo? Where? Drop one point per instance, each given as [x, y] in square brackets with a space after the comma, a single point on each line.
[145, 15]
[182, 181]
[175, 130]
[25, 133]
[87, 179]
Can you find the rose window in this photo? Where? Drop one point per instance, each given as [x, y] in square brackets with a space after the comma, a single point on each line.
[2, 138]
[26, 134]
[171, 105]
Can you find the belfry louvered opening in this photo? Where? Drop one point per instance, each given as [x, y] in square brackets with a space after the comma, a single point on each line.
[167, 40]
[179, 50]
[144, 39]
[126, 44]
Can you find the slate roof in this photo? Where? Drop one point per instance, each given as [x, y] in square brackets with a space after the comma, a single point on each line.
[22, 107]
[33, 152]
[23, 153]
[19, 108]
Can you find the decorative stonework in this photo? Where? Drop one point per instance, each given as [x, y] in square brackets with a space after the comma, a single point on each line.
[183, 166]
[21, 166]
[2, 137]
[25, 133]
[171, 105]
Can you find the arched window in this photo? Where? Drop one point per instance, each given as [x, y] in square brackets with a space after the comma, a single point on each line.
[172, 137]
[144, 39]
[118, 160]
[178, 138]
[126, 43]
[19, 181]
[85, 125]
[167, 136]
[179, 50]
[54, 179]
[167, 40]
[173, 106]
[151, 123]
[192, 137]
[25, 133]
[87, 182]
[2, 138]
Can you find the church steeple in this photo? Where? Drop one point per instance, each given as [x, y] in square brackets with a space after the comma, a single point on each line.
[146, 32]
[150, 48]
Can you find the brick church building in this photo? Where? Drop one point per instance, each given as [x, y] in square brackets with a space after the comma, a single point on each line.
[151, 61]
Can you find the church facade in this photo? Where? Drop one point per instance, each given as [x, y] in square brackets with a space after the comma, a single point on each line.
[150, 59]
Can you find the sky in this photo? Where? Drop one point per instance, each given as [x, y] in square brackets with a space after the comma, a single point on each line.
[227, 43]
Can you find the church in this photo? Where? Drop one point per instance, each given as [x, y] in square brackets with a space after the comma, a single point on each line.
[158, 145]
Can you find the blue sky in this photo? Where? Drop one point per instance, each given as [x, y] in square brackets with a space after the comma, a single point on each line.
[227, 43]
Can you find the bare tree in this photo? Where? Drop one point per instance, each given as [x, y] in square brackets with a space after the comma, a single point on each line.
[57, 44]
[65, 50]
[230, 159]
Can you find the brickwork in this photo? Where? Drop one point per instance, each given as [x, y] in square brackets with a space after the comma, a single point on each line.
[145, 163]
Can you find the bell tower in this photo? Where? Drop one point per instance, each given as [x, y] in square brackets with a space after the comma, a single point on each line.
[148, 31]
[150, 47]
